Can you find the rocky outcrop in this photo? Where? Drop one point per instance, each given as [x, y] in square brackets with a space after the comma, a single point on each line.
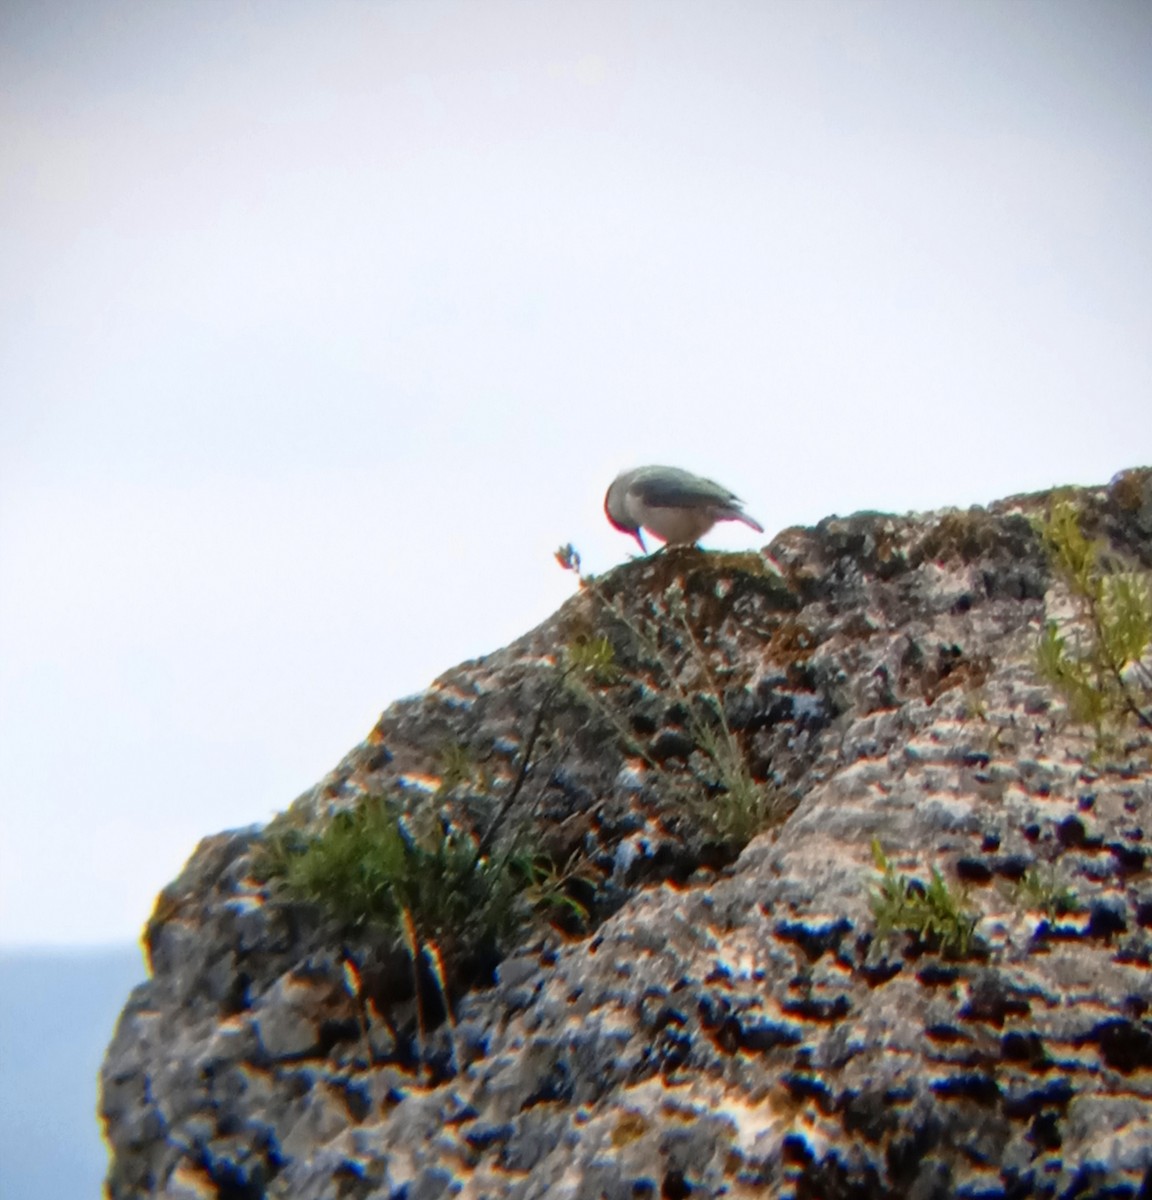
[726, 1022]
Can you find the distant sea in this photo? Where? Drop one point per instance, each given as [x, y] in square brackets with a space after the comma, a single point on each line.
[58, 1008]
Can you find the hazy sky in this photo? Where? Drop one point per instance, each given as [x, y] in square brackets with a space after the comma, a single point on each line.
[324, 323]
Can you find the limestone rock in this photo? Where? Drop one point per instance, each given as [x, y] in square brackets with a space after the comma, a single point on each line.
[727, 1024]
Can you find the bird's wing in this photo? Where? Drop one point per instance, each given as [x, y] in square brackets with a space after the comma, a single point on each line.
[670, 487]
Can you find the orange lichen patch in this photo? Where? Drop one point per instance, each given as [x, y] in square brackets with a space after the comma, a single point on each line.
[781, 1102]
[630, 1126]
[751, 1120]
[420, 783]
[633, 773]
[321, 1000]
[792, 642]
[449, 691]
[168, 905]
[945, 675]
[188, 1181]
[375, 737]
[180, 900]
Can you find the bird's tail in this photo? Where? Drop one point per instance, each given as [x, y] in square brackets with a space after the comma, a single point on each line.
[750, 521]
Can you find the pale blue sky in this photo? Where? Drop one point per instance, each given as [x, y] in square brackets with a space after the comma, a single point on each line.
[323, 324]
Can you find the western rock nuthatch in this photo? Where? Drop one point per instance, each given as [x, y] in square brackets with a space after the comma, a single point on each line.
[674, 505]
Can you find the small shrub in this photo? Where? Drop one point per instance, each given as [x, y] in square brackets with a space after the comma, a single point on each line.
[460, 769]
[732, 804]
[934, 913]
[367, 867]
[1041, 891]
[435, 895]
[593, 658]
[739, 808]
[589, 668]
[1101, 665]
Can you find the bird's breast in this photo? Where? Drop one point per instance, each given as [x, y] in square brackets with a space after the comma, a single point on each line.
[676, 526]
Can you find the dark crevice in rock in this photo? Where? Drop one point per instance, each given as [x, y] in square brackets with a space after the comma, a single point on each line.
[1125, 1046]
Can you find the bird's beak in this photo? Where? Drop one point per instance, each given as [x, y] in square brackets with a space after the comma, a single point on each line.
[640, 538]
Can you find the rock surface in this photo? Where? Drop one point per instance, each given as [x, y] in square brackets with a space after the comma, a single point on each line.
[725, 1025]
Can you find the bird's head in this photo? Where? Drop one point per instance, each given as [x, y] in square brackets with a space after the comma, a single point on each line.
[618, 518]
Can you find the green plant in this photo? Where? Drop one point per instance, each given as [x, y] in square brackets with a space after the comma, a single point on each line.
[1042, 891]
[590, 669]
[1101, 665]
[459, 768]
[933, 912]
[368, 867]
[745, 805]
[435, 893]
[733, 804]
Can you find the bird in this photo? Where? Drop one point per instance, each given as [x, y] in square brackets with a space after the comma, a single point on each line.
[672, 504]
